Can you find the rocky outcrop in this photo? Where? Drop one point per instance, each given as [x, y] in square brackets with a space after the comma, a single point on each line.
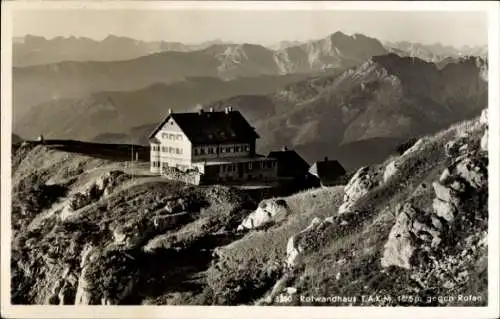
[176, 205]
[390, 170]
[419, 231]
[364, 180]
[484, 141]
[294, 249]
[92, 192]
[268, 211]
[62, 288]
[455, 147]
[415, 147]
[484, 121]
[83, 291]
[131, 235]
[409, 229]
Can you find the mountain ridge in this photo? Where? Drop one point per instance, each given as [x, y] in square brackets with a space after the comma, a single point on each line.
[388, 99]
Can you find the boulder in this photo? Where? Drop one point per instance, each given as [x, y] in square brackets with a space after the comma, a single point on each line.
[401, 243]
[436, 223]
[483, 119]
[484, 141]
[457, 147]
[119, 236]
[390, 170]
[293, 247]
[427, 233]
[445, 176]
[292, 252]
[361, 183]
[446, 193]
[268, 211]
[472, 171]
[399, 247]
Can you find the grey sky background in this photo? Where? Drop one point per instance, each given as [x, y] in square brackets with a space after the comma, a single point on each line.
[253, 26]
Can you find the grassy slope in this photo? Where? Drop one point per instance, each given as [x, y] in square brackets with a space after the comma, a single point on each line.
[176, 264]
[43, 250]
[355, 253]
[248, 268]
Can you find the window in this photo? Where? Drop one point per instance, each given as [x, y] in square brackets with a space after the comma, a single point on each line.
[177, 151]
[247, 148]
[237, 149]
[171, 150]
[249, 165]
[164, 135]
[195, 151]
[228, 150]
[222, 150]
[230, 168]
[210, 150]
[164, 149]
[179, 137]
[202, 151]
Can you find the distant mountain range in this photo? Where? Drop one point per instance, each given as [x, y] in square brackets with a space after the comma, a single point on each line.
[41, 83]
[116, 112]
[34, 50]
[357, 116]
[344, 96]
[434, 52]
[361, 114]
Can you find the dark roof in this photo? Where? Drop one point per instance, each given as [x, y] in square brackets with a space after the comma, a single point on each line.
[290, 163]
[212, 127]
[327, 170]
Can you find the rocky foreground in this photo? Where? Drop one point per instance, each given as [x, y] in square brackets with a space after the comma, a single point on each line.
[404, 232]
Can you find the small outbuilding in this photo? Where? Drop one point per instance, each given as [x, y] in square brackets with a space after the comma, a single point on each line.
[327, 172]
[290, 163]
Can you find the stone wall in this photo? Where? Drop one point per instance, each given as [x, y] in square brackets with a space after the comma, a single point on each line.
[190, 177]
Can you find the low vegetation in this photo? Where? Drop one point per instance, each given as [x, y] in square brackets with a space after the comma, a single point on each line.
[147, 240]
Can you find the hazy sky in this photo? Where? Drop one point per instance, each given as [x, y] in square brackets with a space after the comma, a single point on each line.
[265, 27]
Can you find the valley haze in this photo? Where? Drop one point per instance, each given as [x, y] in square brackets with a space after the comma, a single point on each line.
[256, 157]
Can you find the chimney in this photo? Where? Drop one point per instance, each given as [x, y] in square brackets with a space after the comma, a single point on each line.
[226, 109]
[169, 111]
[211, 109]
[284, 148]
[326, 158]
[200, 111]
[230, 108]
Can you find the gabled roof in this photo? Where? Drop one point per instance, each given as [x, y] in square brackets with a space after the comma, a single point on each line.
[327, 170]
[290, 163]
[212, 127]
